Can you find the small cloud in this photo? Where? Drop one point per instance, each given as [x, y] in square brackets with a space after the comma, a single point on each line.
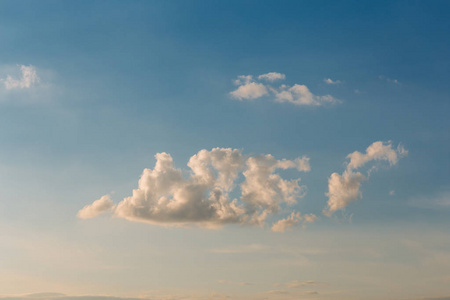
[28, 78]
[293, 220]
[272, 76]
[298, 94]
[251, 90]
[344, 189]
[391, 193]
[330, 81]
[96, 208]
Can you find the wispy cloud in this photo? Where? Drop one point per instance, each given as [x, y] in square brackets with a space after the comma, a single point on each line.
[293, 220]
[387, 79]
[272, 76]
[250, 88]
[344, 189]
[28, 77]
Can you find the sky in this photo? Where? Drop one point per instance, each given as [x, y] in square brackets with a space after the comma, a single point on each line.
[224, 150]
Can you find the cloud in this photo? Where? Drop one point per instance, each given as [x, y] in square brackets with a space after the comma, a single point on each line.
[390, 80]
[293, 220]
[330, 81]
[27, 79]
[96, 208]
[249, 88]
[301, 95]
[272, 76]
[376, 151]
[166, 197]
[344, 189]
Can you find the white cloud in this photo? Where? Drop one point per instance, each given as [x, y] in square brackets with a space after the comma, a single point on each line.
[376, 151]
[330, 81]
[293, 220]
[263, 191]
[96, 208]
[344, 189]
[272, 76]
[301, 95]
[165, 197]
[243, 79]
[27, 79]
[250, 88]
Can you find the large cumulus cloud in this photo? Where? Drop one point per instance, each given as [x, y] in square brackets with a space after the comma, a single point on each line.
[165, 196]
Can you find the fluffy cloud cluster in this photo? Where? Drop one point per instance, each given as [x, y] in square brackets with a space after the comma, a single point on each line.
[344, 189]
[166, 197]
[251, 88]
[28, 78]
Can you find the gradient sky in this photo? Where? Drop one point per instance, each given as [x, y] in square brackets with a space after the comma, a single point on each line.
[352, 97]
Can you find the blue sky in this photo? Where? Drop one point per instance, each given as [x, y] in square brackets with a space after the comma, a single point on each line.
[91, 91]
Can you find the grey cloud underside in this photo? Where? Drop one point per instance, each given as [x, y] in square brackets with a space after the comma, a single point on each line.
[166, 197]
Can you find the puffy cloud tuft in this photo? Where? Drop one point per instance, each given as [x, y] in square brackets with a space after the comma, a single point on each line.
[330, 81]
[293, 220]
[96, 208]
[344, 189]
[165, 197]
[249, 88]
[376, 151]
[301, 95]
